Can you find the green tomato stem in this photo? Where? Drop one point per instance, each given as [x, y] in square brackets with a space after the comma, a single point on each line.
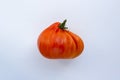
[62, 25]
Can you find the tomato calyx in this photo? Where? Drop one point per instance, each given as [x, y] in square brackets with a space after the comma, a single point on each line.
[62, 25]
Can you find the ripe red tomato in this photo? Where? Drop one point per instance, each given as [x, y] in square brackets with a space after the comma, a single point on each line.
[55, 42]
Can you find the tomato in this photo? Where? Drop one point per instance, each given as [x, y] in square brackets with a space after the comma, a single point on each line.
[56, 42]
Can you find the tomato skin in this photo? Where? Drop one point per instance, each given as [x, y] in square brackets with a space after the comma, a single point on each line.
[56, 43]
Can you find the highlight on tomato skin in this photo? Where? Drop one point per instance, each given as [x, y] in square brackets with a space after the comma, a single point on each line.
[55, 42]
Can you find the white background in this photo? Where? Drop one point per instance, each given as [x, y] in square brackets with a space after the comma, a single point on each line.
[96, 21]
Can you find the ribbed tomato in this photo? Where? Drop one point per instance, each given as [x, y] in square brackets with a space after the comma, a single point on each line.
[55, 42]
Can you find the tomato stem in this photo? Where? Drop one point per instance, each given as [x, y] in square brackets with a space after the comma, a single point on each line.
[62, 25]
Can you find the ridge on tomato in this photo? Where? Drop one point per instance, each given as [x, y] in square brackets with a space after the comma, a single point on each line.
[55, 42]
